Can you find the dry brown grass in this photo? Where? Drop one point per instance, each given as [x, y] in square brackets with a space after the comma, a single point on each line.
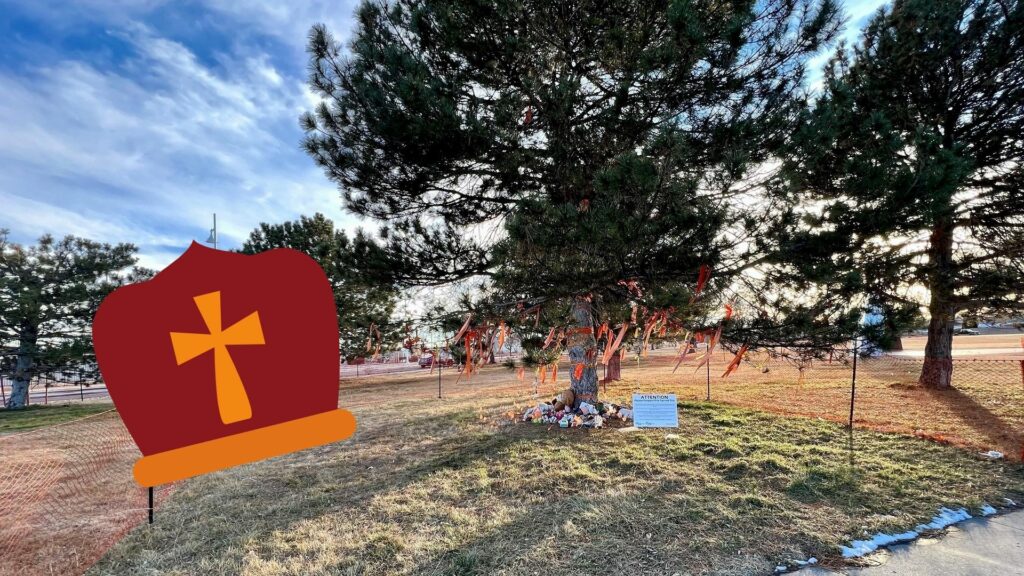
[984, 411]
[456, 487]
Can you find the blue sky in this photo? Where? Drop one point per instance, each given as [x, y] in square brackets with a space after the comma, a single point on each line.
[135, 120]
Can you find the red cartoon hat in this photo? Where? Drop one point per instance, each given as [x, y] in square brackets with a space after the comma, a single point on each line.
[223, 359]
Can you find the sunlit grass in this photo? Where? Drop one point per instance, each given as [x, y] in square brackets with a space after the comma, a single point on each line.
[454, 487]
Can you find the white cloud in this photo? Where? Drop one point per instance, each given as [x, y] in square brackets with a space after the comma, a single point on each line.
[144, 151]
[143, 147]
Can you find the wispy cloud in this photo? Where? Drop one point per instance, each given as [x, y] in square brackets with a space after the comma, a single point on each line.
[138, 136]
[134, 120]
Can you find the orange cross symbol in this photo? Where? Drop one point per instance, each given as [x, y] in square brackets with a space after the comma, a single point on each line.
[232, 401]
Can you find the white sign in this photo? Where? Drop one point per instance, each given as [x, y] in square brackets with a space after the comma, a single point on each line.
[655, 411]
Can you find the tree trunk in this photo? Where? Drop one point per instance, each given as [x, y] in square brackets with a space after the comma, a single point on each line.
[614, 368]
[937, 371]
[896, 344]
[583, 351]
[894, 341]
[22, 375]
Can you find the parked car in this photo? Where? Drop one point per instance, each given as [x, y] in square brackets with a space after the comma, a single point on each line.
[428, 361]
[965, 332]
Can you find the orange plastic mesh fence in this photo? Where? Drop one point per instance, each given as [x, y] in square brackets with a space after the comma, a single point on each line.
[67, 494]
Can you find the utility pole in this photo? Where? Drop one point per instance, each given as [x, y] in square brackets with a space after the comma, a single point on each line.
[213, 233]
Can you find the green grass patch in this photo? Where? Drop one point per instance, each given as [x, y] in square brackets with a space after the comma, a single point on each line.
[36, 416]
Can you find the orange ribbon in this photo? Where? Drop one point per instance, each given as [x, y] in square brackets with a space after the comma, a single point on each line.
[735, 361]
[612, 347]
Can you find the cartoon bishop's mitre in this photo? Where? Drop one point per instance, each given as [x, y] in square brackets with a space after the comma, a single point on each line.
[223, 359]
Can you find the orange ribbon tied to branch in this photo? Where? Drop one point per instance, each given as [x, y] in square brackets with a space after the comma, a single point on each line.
[613, 346]
[702, 279]
[656, 318]
[549, 339]
[465, 327]
[735, 361]
[683, 352]
[712, 343]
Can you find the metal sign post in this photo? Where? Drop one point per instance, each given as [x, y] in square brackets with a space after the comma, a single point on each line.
[150, 504]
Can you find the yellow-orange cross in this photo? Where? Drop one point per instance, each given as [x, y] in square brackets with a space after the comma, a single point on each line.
[232, 401]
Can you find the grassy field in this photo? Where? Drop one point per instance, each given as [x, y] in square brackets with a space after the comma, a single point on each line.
[984, 411]
[38, 416]
[456, 486]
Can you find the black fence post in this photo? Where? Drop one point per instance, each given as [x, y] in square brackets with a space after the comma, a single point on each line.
[853, 381]
[708, 364]
[150, 504]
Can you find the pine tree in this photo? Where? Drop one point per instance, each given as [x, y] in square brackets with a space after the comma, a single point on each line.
[583, 155]
[914, 161]
[357, 268]
[48, 296]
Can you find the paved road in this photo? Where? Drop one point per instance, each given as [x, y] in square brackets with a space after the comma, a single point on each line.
[976, 547]
[61, 394]
[967, 352]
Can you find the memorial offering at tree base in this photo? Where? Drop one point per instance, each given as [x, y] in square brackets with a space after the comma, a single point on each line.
[560, 411]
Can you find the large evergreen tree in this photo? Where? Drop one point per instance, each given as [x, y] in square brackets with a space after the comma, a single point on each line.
[583, 154]
[49, 294]
[356, 267]
[913, 161]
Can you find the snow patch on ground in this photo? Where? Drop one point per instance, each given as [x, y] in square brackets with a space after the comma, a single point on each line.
[987, 510]
[862, 547]
[946, 517]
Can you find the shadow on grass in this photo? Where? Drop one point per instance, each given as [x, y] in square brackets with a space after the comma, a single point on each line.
[1001, 434]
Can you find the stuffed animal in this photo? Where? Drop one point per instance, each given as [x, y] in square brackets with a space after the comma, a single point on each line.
[564, 400]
